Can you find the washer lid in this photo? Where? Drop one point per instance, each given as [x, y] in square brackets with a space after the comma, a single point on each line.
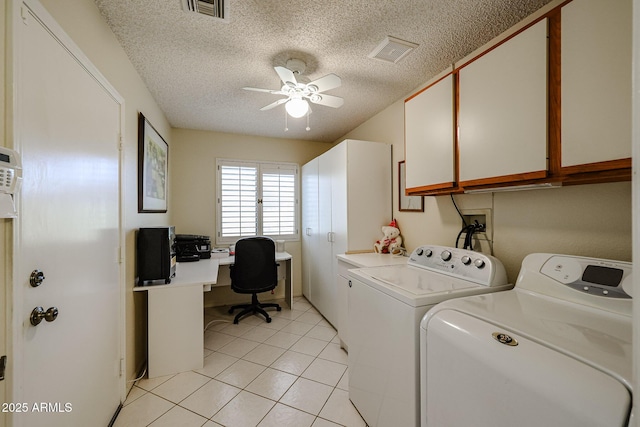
[416, 286]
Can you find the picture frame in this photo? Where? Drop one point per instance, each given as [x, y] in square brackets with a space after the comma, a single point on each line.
[153, 168]
[407, 203]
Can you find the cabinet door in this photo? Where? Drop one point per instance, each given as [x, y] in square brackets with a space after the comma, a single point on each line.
[503, 111]
[323, 285]
[596, 81]
[310, 223]
[430, 137]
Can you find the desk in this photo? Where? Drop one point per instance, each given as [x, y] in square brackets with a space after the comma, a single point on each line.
[176, 314]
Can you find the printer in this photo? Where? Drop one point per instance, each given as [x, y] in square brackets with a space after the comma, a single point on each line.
[192, 247]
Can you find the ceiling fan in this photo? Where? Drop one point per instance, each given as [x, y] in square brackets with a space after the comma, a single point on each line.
[298, 93]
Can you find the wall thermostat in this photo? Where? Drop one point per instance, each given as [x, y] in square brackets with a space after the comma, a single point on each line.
[10, 170]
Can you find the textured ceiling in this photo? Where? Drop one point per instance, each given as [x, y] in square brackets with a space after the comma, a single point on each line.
[196, 66]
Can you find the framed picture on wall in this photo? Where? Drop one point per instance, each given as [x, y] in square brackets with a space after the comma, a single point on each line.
[153, 168]
[407, 203]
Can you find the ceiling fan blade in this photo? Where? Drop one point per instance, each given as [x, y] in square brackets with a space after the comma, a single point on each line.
[328, 82]
[257, 89]
[327, 100]
[274, 104]
[286, 75]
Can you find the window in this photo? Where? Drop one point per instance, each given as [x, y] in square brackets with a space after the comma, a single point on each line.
[257, 199]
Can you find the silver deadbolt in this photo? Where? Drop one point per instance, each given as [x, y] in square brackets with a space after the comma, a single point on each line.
[36, 278]
[38, 314]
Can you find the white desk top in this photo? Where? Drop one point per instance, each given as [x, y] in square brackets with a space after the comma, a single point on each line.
[198, 273]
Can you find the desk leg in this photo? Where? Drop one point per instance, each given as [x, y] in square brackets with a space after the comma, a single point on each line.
[176, 330]
[288, 284]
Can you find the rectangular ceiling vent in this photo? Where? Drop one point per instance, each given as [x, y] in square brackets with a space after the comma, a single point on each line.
[392, 49]
[214, 8]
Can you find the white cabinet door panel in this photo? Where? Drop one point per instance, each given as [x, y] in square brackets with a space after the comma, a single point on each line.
[323, 285]
[596, 81]
[429, 136]
[310, 223]
[503, 108]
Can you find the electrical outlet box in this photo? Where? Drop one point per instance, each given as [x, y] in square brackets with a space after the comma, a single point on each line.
[484, 218]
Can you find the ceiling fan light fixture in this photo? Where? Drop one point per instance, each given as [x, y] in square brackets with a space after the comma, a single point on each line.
[297, 107]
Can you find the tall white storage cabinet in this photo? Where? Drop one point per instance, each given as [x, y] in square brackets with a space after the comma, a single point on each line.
[346, 199]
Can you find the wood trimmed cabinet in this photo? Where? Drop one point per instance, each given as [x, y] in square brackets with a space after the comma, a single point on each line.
[547, 104]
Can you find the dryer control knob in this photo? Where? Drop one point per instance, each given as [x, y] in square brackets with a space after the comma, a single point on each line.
[419, 251]
[446, 255]
[428, 253]
[466, 260]
[478, 263]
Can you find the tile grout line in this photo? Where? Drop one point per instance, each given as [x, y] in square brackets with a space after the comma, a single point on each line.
[333, 388]
[316, 357]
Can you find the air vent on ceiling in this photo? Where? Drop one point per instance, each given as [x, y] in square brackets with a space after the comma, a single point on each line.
[214, 8]
[392, 49]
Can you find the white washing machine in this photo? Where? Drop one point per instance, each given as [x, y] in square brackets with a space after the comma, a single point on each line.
[554, 351]
[386, 305]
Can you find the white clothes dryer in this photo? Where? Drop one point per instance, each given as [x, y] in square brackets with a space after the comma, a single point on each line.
[554, 351]
[386, 305]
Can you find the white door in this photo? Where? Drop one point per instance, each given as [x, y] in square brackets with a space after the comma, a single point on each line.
[67, 371]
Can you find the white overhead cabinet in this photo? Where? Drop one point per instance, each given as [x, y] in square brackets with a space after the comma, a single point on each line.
[596, 81]
[549, 102]
[503, 111]
[346, 199]
[430, 137]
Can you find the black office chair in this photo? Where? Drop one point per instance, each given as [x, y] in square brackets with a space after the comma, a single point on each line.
[254, 271]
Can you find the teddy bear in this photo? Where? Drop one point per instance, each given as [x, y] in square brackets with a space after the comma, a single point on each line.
[391, 243]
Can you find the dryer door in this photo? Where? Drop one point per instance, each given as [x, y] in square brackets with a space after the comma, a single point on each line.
[472, 379]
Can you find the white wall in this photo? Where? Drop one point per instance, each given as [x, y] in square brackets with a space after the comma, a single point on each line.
[193, 185]
[589, 220]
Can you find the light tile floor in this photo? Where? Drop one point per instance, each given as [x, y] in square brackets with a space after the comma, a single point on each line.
[290, 372]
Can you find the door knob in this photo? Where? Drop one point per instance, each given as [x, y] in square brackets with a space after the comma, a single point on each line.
[36, 278]
[38, 314]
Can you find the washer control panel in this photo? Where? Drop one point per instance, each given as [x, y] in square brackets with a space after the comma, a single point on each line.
[465, 264]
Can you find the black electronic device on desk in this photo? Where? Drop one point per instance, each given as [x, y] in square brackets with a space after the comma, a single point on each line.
[156, 254]
[192, 247]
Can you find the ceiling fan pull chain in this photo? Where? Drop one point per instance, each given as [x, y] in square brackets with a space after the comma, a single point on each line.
[308, 128]
[286, 126]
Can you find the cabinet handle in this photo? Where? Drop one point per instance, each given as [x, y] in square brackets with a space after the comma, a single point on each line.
[350, 284]
[308, 231]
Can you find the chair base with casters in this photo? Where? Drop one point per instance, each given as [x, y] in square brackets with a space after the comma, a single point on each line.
[255, 307]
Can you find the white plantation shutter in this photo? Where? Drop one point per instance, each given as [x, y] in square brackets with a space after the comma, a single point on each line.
[278, 200]
[239, 192]
[257, 198]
